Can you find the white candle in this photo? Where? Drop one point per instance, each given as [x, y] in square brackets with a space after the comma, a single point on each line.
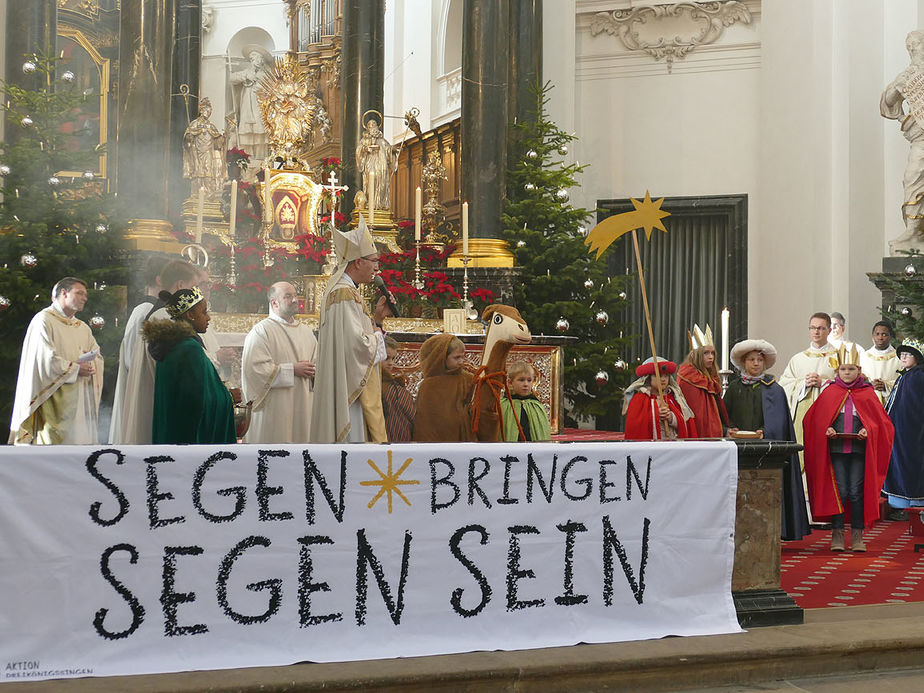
[418, 203]
[725, 339]
[199, 214]
[267, 198]
[465, 229]
[370, 200]
[233, 221]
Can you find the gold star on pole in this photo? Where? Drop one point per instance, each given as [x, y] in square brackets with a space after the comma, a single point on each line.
[647, 215]
[389, 482]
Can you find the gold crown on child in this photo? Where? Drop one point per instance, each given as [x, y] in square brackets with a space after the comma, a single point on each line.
[697, 338]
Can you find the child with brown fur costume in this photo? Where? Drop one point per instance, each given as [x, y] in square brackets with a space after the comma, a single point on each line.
[445, 393]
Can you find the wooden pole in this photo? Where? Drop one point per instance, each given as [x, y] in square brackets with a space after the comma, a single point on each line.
[641, 279]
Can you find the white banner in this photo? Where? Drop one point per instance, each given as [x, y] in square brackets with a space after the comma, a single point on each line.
[147, 559]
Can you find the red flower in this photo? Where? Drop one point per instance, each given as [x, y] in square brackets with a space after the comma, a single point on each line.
[485, 295]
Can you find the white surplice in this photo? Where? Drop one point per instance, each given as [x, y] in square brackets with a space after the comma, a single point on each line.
[53, 404]
[281, 400]
[881, 364]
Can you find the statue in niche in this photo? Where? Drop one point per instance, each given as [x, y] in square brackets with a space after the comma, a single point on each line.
[245, 84]
[204, 153]
[376, 160]
[909, 86]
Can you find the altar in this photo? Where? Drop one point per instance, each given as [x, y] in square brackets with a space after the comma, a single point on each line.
[545, 353]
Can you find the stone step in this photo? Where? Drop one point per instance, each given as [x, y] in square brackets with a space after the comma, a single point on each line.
[844, 640]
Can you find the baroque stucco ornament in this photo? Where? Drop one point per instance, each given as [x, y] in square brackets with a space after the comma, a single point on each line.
[655, 29]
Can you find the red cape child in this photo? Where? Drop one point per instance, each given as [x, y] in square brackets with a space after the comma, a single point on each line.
[641, 406]
[819, 473]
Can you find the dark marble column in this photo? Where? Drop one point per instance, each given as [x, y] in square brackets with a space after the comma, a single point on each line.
[485, 41]
[145, 80]
[363, 79]
[31, 27]
[187, 57]
[525, 58]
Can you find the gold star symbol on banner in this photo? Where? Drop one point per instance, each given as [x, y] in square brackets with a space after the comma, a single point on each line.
[389, 482]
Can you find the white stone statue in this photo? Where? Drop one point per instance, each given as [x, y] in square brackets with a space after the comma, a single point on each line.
[246, 83]
[909, 87]
[204, 153]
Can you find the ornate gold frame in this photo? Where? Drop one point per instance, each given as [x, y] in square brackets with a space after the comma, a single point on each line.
[102, 65]
[298, 182]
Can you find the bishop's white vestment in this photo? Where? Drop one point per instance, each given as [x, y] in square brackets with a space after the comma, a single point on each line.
[281, 400]
[347, 383]
[53, 404]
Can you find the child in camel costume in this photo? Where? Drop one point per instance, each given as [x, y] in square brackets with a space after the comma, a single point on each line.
[448, 396]
[445, 393]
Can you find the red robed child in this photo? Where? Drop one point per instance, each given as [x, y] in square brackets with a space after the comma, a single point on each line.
[846, 394]
[646, 417]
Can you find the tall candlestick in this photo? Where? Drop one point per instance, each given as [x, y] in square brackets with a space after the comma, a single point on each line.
[725, 339]
[233, 221]
[199, 214]
[418, 203]
[267, 198]
[465, 229]
[370, 199]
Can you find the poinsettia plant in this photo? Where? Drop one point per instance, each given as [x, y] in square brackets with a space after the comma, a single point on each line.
[237, 159]
[312, 247]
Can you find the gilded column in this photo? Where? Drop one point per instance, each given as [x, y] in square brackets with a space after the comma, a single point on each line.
[485, 54]
[145, 80]
[362, 80]
[187, 58]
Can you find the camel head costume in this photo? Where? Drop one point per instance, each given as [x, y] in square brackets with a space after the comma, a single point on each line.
[506, 328]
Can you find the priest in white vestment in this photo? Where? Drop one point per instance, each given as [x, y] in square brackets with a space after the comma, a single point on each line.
[123, 427]
[805, 375]
[277, 371]
[60, 374]
[133, 404]
[348, 388]
[880, 363]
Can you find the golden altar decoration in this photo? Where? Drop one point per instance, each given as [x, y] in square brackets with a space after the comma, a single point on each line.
[291, 197]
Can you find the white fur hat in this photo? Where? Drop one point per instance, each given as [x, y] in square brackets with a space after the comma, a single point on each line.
[742, 349]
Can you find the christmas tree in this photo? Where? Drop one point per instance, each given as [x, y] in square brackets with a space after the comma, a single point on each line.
[562, 289]
[904, 297]
[54, 224]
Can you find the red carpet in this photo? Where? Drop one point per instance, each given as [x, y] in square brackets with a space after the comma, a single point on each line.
[889, 571]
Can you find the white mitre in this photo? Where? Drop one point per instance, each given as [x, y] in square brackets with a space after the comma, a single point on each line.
[349, 246]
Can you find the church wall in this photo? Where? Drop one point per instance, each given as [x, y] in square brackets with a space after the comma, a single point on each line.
[784, 110]
[410, 74]
[830, 166]
[689, 132]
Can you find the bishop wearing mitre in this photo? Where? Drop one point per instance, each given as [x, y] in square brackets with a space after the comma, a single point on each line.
[351, 344]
